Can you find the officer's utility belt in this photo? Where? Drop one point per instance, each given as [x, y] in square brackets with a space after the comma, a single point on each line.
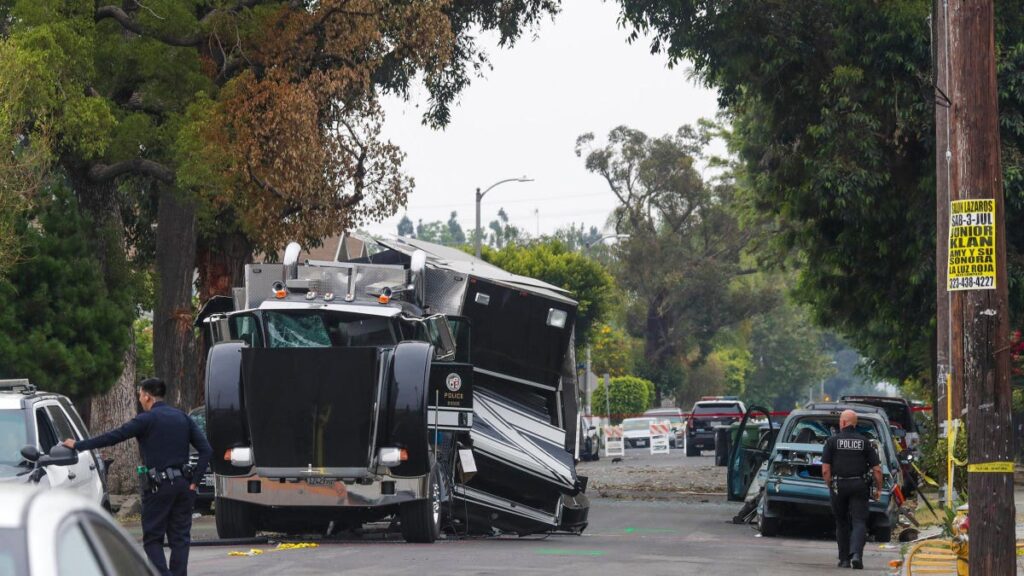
[861, 477]
[150, 479]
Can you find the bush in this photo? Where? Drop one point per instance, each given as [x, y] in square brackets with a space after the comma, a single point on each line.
[630, 396]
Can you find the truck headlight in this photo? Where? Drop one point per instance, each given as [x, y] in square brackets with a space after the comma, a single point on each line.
[391, 457]
[240, 457]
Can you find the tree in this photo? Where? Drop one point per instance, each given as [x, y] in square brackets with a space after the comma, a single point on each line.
[502, 233]
[588, 282]
[455, 233]
[833, 123]
[630, 396]
[405, 227]
[62, 324]
[612, 351]
[787, 358]
[682, 259]
[233, 125]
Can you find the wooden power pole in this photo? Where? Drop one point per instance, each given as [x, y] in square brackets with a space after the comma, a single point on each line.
[977, 178]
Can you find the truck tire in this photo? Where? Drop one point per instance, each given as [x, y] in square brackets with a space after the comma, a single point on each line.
[420, 520]
[236, 519]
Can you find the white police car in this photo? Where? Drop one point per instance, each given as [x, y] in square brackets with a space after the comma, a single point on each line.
[32, 424]
[58, 532]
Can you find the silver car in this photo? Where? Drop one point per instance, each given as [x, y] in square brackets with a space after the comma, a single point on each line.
[58, 532]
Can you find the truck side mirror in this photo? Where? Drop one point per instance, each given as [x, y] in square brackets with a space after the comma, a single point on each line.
[444, 346]
[60, 455]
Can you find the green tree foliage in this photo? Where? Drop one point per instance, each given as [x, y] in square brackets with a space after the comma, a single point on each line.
[62, 325]
[455, 229]
[143, 329]
[833, 110]
[447, 233]
[588, 282]
[405, 227]
[502, 233]
[681, 261]
[612, 351]
[788, 358]
[630, 396]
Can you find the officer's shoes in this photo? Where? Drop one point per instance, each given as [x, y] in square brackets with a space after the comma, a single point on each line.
[856, 563]
[843, 564]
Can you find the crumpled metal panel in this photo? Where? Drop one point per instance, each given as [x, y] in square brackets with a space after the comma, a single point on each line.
[446, 290]
[260, 279]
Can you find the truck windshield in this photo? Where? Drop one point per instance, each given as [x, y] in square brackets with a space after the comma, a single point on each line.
[12, 440]
[323, 329]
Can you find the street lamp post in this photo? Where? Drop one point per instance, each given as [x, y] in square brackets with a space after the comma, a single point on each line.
[593, 243]
[480, 195]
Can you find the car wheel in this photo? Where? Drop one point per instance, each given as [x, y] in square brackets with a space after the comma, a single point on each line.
[420, 520]
[768, 527]
[236, 519]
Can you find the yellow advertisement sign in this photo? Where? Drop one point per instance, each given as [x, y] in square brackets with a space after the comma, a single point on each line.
[972, 245]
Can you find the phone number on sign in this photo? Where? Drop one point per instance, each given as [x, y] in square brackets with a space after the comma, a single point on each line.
[971, 282]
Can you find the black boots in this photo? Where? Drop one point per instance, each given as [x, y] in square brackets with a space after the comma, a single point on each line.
[856, 562]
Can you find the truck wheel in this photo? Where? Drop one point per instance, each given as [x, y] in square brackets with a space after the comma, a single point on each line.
[235, 519]
[421, 519]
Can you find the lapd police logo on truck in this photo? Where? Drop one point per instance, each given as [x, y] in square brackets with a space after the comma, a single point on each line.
[453, 382]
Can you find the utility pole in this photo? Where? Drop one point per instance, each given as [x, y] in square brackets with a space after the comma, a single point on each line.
[977, 176]
[943, 174]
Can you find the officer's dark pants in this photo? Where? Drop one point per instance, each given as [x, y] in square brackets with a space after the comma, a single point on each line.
[850, 507]
[168, 511]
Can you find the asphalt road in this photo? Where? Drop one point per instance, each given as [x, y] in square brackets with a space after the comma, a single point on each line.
[686, 534]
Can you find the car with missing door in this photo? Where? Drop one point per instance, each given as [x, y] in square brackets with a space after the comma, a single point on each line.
[33, 423]
[790, 475]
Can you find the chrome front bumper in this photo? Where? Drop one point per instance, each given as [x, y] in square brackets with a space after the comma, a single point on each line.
[333, 492]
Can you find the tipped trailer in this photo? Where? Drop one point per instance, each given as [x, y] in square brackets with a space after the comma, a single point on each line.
[404, 380]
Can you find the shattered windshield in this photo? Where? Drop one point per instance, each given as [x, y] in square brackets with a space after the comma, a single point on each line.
[323, 329]
[12, 440]
[817, 429]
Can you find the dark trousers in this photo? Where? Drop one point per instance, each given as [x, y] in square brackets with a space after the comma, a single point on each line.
[850, 507]
[168, 511]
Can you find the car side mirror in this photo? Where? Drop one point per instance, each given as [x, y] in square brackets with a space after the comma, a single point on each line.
[60, 455]
[30, 453]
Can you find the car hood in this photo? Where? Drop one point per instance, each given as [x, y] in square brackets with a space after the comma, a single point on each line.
[10, 475]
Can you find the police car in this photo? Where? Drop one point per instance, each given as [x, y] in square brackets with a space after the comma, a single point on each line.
[32, 424]
[59, 532]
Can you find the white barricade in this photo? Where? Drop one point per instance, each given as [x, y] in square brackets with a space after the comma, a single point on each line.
[614, 445]
[660, 432]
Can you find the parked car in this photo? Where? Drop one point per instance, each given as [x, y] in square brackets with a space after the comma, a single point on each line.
[636, 432]
[204, 483]
[900, 412]
[590, 440]
[676, 418]
[708, 414]
[58, 532]
[32, 424]
[790, 474]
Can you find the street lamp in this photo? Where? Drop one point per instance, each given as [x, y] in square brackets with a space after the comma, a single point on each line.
[588, 245]
[480, 195]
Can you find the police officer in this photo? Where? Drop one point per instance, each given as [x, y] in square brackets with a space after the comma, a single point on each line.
[164, 434]
[845, 463]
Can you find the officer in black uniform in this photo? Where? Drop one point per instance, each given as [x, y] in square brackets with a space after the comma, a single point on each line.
[164, 434]
[846, 461]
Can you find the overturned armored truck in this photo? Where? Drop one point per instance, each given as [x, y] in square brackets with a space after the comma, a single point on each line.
[402, 379]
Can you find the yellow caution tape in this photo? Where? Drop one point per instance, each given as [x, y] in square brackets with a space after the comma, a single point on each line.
[991, 467]
[280, 547]
[251, 552]
[295, 546]
[924, 476]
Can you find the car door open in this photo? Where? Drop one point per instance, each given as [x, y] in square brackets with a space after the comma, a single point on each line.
[748, 453]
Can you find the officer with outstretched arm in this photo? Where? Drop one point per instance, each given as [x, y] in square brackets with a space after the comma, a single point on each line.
[847, 459]
[164, 434]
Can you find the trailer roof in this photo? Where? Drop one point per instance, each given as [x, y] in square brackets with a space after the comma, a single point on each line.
[448, 258]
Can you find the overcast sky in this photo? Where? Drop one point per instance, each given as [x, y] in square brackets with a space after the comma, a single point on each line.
[578, 75]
